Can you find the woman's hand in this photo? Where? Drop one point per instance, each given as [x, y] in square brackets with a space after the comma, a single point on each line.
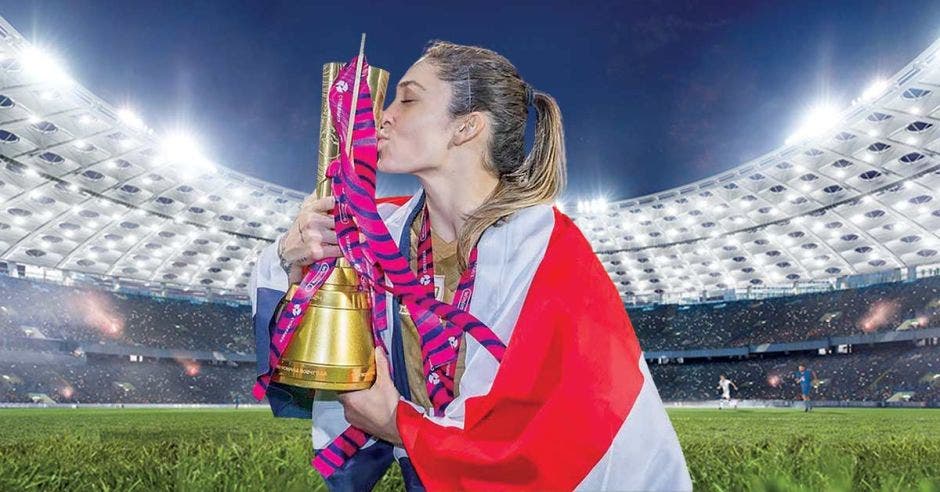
[374, 410]
[311, 236]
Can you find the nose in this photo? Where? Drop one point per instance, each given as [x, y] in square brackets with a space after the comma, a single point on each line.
[388, 115]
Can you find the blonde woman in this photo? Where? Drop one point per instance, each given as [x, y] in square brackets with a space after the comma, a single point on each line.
[570, 402]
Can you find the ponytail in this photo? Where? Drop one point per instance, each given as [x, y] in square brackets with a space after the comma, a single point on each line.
[540, 179]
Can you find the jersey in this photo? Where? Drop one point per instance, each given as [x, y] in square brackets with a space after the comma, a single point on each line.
[447, 277]
[725, 387]
[806, 381]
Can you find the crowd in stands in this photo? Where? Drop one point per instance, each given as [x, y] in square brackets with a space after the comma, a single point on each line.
[70, 317]
[868, 374]
[883, 307]
[45, 310]
[118, 380]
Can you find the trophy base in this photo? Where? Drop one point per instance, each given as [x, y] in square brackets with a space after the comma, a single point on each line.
[322, 377]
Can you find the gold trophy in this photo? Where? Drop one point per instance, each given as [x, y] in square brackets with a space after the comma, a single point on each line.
[332, 348]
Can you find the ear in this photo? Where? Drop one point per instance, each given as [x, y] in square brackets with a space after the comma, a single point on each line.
[472, 126]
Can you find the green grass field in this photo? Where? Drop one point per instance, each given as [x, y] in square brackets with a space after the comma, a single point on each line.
[87, 449]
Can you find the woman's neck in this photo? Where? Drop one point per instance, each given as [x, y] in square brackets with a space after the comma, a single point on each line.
[451, 197]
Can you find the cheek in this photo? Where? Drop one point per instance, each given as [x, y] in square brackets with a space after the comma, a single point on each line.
[414, 146]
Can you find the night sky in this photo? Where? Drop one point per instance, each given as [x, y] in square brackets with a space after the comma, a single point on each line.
[653, 96]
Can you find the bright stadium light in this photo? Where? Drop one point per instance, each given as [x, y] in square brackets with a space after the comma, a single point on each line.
[595, 206]
[874, 90]
[179, 147]
[43, 64]
[182, 150]
[819, 119]
[130, 118]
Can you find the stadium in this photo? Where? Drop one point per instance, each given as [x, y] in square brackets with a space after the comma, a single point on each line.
[125, 259]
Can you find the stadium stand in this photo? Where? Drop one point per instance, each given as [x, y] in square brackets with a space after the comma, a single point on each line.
[112, 380]
[57, 356]
[45, 310]
[886, 307]
[867, 374]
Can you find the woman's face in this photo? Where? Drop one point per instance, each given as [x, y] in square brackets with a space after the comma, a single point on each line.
[416, 128]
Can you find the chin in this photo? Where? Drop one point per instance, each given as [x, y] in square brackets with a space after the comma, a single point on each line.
[390, 166]
[382, 166]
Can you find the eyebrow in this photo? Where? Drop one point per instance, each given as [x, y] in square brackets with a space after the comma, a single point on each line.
[406, 83]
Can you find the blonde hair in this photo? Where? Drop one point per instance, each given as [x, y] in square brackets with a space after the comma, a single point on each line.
[485, 81]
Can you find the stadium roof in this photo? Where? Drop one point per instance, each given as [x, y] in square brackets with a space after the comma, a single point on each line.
[853, 192]
[87, 188]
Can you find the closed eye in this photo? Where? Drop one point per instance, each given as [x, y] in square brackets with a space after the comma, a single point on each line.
[405, 101]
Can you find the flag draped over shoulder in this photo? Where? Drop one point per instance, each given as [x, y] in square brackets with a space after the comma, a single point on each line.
[567, 383]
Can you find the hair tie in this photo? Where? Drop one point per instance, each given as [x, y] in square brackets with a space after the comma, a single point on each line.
[529, 95]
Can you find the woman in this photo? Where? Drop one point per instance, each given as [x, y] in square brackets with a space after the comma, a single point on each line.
[570, 403]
